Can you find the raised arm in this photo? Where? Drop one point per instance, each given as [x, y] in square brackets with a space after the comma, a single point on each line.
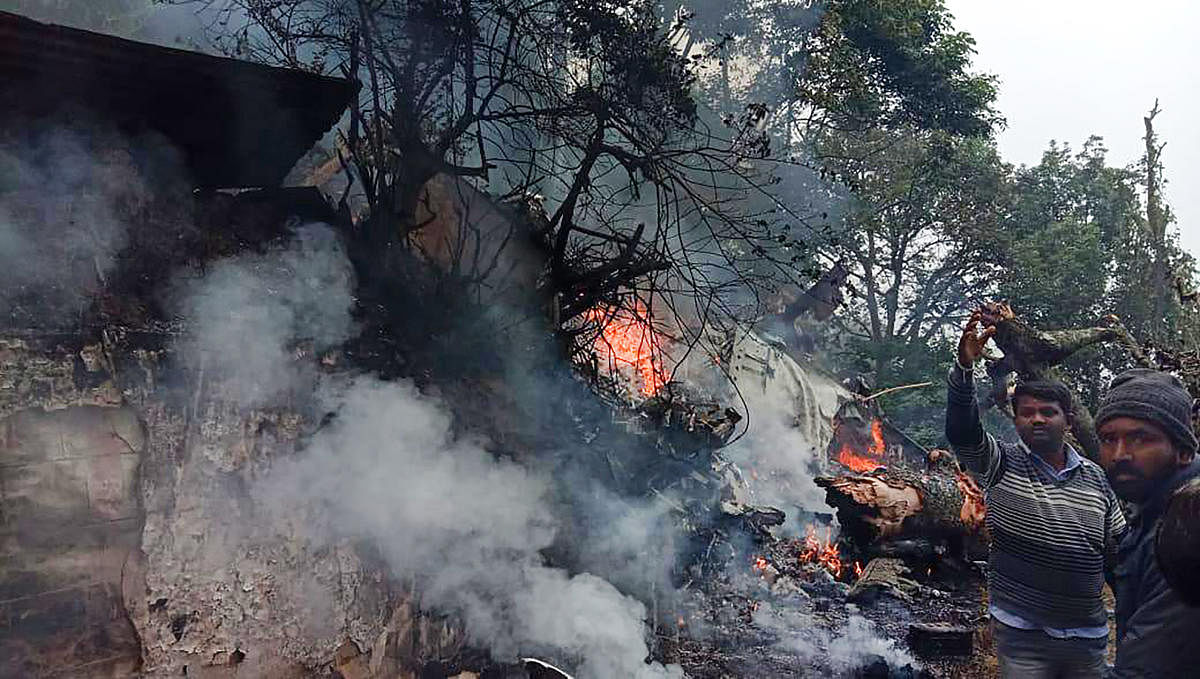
[975, 448]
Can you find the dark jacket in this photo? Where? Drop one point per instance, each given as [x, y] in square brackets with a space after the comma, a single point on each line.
[1156, 631]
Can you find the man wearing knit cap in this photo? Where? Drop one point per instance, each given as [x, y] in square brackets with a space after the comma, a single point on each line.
[1148, 449]
[1054, 522]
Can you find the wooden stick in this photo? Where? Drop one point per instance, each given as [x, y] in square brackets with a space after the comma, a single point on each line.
[899, 388]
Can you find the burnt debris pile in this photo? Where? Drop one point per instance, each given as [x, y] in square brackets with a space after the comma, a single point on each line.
[276, 450]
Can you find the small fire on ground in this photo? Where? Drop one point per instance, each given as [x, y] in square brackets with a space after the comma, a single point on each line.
[824, 552]
[628, 339]
[870, 458]
[819, 552]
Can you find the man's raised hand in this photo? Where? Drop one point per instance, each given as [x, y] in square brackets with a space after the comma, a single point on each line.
[970, 345]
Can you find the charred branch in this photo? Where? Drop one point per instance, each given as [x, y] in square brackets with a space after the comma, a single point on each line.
[939, 502]
[1032, 354]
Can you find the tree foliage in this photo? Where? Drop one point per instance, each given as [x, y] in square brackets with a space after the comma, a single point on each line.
[1068, 247]
[1069, 223]
[874, 64]
[922, 232]
[1079, 248]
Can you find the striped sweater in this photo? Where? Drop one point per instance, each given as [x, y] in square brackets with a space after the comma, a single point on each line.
[1052, 541]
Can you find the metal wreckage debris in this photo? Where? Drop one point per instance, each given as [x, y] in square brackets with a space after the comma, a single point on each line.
[769, 591]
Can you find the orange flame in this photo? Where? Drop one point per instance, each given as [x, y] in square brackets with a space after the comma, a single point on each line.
[823, 552]
[629, 338]
[874, 455]
[759, 564]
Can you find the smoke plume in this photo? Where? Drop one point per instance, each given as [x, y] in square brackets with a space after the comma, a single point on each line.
[251, 317]
[65, 196]
[789, 410]
[468, 527]
[855, 645]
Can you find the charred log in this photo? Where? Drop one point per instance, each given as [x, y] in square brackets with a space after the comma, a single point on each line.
[940, 502]
[694, 420]
[938, 640]
[756, 521]
[803, 309]
[823, 298]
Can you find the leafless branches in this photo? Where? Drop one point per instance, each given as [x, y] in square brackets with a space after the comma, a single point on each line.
[588, 106]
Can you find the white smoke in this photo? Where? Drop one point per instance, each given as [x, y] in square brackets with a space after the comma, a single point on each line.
[856, 644]
[248, 317]
[790, 410]
[61, 224]
[466, 526]
[859, 642]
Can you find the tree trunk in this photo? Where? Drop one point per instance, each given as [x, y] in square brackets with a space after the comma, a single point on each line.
[1156, 227]
[895, 503]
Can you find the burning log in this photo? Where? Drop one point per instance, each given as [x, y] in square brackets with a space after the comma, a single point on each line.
[822, 552]
[941, 501]
[816, 554]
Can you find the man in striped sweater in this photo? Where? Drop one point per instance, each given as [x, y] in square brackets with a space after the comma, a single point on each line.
[1054, 524]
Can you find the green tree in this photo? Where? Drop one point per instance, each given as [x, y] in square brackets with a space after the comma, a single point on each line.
[1080, 246]
[1070, 219]
[920, 235]
[874, 64]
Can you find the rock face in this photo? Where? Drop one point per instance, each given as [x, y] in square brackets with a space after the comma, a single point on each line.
[71, 520]
[133, 542]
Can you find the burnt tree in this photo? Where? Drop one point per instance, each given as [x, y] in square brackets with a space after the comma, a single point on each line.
[1032, 354]
[587, 111]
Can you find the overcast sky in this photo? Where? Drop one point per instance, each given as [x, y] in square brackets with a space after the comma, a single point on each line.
[1071, 68]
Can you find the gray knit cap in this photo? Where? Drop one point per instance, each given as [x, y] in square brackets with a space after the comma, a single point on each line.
[1153, 396]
